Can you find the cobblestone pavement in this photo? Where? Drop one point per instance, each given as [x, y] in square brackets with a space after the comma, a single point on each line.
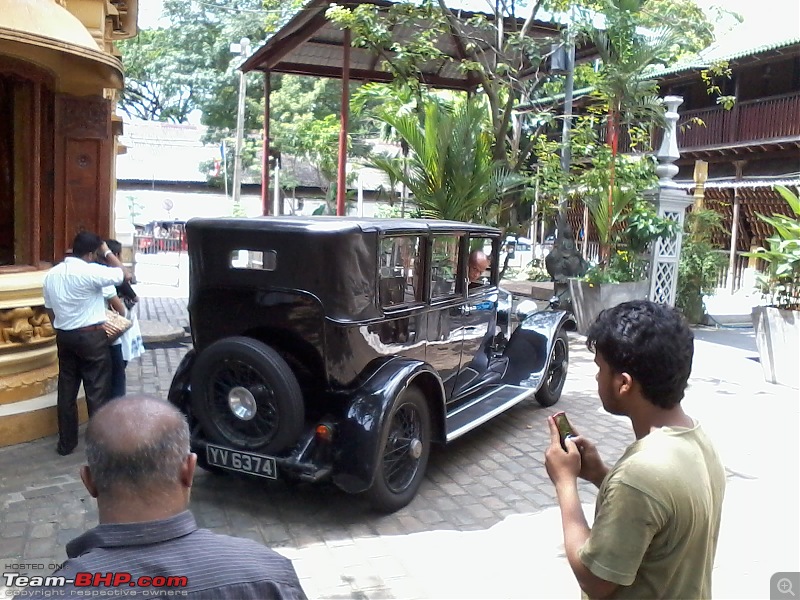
[485, 522]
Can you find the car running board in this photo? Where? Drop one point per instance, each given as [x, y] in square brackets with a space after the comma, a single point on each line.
[482, 408]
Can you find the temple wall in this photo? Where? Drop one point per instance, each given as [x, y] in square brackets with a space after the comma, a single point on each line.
[59, 79]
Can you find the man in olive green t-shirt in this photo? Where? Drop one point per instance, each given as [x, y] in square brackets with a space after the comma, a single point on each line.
[658, 509]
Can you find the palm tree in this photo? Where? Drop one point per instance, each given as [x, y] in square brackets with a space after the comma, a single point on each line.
[450, 170]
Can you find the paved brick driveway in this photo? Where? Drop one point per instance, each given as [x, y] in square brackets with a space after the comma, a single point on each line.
[484, 524]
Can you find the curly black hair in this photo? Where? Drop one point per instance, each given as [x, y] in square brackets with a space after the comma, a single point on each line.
[651, 342]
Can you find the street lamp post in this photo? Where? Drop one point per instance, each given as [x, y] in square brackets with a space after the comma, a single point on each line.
[242, 48]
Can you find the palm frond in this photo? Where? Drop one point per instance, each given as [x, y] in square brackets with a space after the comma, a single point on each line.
[450, 170]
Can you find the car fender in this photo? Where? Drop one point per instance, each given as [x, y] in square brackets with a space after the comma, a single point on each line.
[359, 433]
[528, 351]
[180, 390]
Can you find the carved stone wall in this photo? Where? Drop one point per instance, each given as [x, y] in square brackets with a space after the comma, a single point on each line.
[28, 356]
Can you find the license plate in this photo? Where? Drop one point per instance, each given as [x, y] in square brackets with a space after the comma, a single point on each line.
[243, 462]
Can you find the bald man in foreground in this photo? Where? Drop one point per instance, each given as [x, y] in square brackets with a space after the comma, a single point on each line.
[140, 471]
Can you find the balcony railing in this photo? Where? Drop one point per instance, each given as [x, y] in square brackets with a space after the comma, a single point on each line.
[750, 121]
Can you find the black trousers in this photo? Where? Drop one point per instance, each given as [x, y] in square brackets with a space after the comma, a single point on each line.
[118, 365]
[83, 356]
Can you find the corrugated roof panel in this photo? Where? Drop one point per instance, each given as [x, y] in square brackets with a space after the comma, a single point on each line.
[740, 42]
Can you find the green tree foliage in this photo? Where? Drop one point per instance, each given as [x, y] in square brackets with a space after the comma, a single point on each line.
[697, 32]
[622, 88]
[509, 64]
[450, 168]
[154, 87]
[305, 123]
[626, 226]
[700, 262]
[506, 63]
[188, 65]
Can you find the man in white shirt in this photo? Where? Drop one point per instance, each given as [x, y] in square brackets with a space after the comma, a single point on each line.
[73, 295]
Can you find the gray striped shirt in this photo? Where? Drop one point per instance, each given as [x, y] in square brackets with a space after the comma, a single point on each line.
[213, 565]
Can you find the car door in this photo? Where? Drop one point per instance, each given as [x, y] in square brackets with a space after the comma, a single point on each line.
[400, 288]
[476, 317]
[446, 289]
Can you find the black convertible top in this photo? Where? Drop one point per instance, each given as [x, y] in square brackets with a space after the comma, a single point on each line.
[333, 259]
[330, 224]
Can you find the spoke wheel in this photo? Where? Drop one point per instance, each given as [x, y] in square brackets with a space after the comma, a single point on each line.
[243, 404]
[245, 395]
[405, 449]
[556, 375]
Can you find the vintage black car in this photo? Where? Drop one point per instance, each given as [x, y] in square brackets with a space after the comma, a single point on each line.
[330, 348]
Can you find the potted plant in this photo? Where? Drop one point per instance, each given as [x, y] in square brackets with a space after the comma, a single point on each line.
[776, 324]
[625, 242]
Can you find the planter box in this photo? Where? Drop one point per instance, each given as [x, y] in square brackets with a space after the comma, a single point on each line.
[778, 341]
[589, 299]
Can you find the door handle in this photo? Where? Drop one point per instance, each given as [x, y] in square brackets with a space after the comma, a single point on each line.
[460, 311]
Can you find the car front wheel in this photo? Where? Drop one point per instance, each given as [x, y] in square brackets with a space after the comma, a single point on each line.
[244, 395]
[405, 448]
[556, 373]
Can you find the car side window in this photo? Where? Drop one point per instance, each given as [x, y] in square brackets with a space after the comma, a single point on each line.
[444, 266]
[254, 259]
[479, 261]
[400, 270]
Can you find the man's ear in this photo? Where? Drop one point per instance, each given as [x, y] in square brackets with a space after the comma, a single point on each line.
[187, 469]
[625, 383]
[88, 481]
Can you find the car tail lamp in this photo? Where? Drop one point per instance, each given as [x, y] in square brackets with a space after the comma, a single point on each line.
[324, 432]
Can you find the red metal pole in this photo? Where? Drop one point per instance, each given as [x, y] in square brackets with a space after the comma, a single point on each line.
[341, 187]
[265, 149]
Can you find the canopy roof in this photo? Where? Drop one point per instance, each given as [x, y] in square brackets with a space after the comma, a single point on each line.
[311, 45]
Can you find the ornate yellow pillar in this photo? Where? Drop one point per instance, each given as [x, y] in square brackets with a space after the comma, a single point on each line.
[28, 361]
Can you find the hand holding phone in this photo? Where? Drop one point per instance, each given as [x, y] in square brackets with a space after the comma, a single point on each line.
[564, 428]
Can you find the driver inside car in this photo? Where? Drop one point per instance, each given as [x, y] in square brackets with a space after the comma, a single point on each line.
[478, 263]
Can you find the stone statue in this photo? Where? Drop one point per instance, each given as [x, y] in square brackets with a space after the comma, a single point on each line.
[24, 324]
[564, 260]
[15, 326]
[42, 326]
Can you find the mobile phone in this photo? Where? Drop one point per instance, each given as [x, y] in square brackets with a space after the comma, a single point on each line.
[564, 428]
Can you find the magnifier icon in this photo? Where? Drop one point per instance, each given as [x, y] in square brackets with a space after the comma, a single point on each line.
[784, 586]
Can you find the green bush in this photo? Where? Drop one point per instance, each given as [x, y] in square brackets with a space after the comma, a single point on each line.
[700, 262]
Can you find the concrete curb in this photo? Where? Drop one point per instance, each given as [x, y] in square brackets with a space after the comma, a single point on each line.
[158, 331]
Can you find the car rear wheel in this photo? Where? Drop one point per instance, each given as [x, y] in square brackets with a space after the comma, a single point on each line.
[405, 448]
[556, 374]
[245, 395]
